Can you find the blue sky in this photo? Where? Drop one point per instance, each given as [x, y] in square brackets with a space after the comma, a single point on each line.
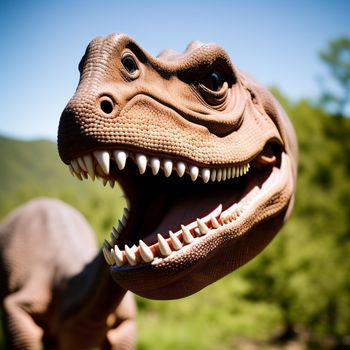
[42, 42]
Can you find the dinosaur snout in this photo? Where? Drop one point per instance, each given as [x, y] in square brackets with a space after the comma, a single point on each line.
[91, 109]
[78, 124]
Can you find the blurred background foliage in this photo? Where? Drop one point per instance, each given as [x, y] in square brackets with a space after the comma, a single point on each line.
[294, 295]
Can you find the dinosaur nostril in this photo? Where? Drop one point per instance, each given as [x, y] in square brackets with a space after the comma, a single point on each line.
[106, 105]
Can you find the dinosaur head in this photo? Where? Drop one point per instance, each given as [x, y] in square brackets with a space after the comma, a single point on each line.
[205, 156]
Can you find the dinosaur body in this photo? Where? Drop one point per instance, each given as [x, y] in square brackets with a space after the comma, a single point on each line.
[55, 291]
[206, 157]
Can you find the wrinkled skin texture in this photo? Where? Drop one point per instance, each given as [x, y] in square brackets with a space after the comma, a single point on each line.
[196, 109]
[56, 290]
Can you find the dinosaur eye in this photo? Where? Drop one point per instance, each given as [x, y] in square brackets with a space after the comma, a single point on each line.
[130, 64]
[213, 81]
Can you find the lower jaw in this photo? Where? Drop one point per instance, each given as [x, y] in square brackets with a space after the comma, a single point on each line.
[187, 272]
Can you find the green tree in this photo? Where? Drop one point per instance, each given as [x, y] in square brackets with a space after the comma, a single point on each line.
[337, 57]
[305, 272]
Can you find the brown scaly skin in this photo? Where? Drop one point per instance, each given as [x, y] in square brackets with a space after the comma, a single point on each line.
[56, 291]
[193, 112]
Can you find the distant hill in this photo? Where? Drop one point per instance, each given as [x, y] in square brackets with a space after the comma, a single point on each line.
[33, 168]
[34, 163]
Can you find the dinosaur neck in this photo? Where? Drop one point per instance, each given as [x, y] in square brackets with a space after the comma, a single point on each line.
[99, 294]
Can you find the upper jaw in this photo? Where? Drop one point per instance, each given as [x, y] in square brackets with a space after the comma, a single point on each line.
[97, 164]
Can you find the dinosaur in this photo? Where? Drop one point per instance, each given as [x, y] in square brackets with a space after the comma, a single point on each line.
[206, 157]
[207, 160]
[55, 291]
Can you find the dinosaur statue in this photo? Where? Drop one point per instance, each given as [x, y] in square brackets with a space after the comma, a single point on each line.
[207, 160]
[206, 157]
[55, 290]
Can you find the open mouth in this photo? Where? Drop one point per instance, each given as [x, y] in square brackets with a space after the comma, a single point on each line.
[174, 204]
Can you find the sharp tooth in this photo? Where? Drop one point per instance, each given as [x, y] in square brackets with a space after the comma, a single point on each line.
[164, 247]
[219, 175]
[205, 173]
[71, 170]
[216, 212]
[118, 256]
[231, 212]
[176, 243]
[214, 222]
[194, 171]
[233, 175]
[82, 164]
[130, 255]
[213, 175]
[237, 171]
[141, 161]
[112, 239]
[111, 183]
[180, 168]
[99, 171]
[197, 232]
[106, 244]
[120, 226]
[76, 166]
[89, 166]
[116, 232]
[241, 170]
[84, 175]
[103, 159]
[120, 159]
[203, 228]
[124, 220]
[126, 213]
[155, 165]
[186, 235]
[167, 167]
[112, 255]
[146, 252]
[104, 181]
[229, 170]
[114, 235]
[224, 174]
[106, 254]
[78, 176]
